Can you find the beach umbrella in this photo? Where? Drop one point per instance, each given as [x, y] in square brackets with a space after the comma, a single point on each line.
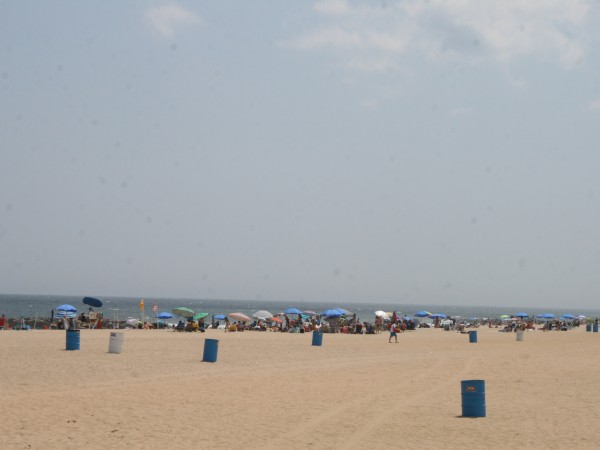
[546, 316]
[132, 321]
[66, 307]
[345, 312]
[65, 315]
[165, 315]
[422, 314]
[220, 316]
[567, 316]
[91, 301]
[292, 311]
[240, 316]
[200, 315]
[394, 317]
[262, 314]
[581, 316]
[505, 316]
[381, 314]
[521, 315]
[435, 316]
[332, 313]
[183, 312]
[310, 312]
[276, 319]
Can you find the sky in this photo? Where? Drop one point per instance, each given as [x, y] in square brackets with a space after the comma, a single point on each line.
[413, 152]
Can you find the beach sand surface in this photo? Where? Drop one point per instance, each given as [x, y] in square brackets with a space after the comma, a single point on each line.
[272, 390]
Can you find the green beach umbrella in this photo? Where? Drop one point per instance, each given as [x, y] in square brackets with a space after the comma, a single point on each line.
[200, 315]
[183, 312]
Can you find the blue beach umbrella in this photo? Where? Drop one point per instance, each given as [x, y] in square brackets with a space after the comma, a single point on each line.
[568, 316]
[435, 316]
[422, 314]
[220, 316]
[545, 316]
[92, 301]
[292, 311]
[66, 307]
[521, 315]
[332, 313]
[165, 315]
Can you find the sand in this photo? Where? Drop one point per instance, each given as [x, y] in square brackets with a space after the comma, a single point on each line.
[271, 390]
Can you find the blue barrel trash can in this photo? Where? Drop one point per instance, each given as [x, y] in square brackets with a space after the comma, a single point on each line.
[472, 336]
[211, 348]
[595, 328]
[473, 398]
[72, 339]
[317, 338]
[588, 327]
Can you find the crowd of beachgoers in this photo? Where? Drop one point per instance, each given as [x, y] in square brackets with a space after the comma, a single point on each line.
[295, 321]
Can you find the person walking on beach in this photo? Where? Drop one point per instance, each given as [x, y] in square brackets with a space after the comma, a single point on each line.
[393, 333]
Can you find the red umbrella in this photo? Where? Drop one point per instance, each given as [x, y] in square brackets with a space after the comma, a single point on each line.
[394, 317]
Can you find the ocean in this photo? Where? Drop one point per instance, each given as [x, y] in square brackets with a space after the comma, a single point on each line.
[120, 308]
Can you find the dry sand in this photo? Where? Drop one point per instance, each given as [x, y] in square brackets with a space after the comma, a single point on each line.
[271, 390]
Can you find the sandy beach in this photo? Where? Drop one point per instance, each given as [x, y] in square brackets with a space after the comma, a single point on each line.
[272, 390]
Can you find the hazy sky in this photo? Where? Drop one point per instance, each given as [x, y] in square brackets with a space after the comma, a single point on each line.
[410, 151]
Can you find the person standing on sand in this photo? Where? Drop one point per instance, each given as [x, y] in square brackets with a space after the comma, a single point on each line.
[2, 322]
[393, 333]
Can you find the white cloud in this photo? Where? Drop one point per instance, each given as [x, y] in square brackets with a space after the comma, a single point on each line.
[165, 19]
[439, 30]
